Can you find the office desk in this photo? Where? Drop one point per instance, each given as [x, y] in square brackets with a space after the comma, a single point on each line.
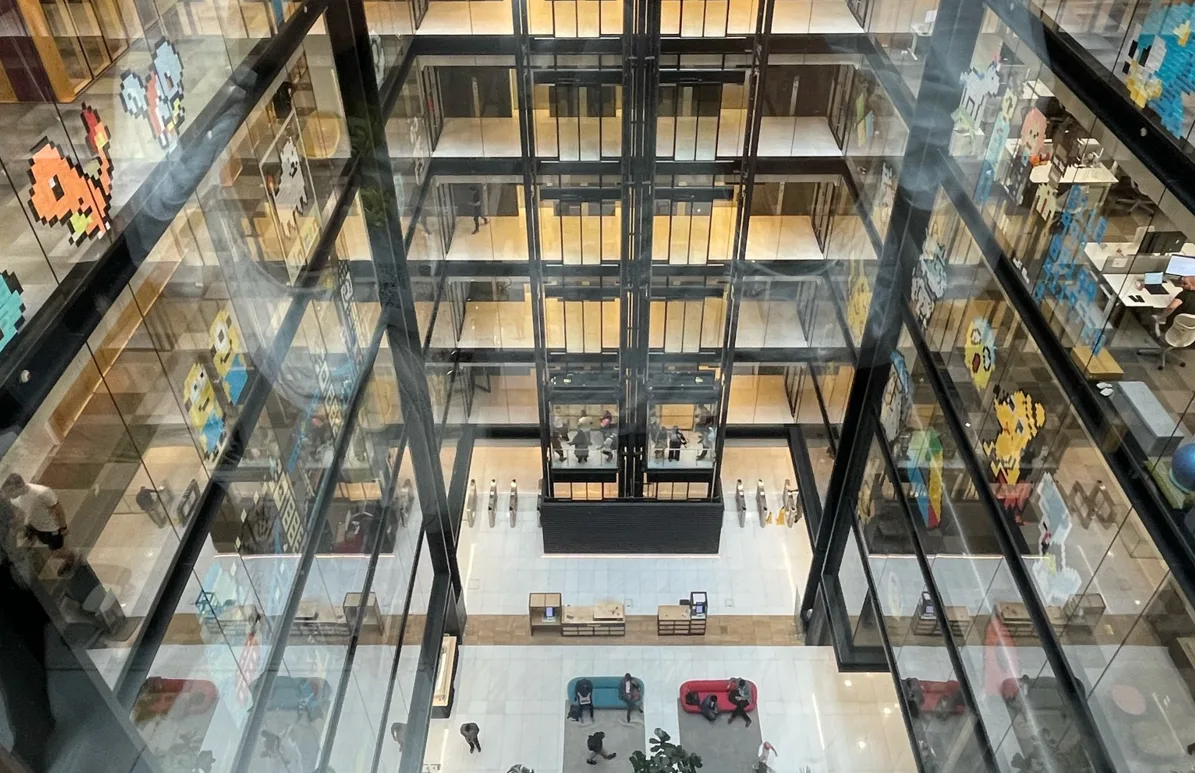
[1098, 254]
[1074, 175]
[1125, 285]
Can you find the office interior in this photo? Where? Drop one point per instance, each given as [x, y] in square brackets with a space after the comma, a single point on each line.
[273, 363]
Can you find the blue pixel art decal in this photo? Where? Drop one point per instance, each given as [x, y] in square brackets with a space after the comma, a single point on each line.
[1064, 276]
[1160, 68]
[12, 307]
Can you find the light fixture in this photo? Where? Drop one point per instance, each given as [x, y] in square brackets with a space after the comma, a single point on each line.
[862, 744]
[847, 682]
[887, 711]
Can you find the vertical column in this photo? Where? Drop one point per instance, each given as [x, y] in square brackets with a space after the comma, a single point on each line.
[525, 92]
[760, 45]
[641, 82]
[348, 33]
[953, 41]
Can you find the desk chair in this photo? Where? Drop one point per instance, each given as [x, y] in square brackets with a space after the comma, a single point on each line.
[1180, 335]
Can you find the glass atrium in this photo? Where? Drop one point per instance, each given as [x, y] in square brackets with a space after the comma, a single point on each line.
[374, 369]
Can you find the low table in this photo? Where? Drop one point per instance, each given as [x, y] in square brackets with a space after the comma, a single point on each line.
[604, 619]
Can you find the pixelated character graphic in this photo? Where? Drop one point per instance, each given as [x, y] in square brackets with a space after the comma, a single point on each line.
[980, 351]
[289, 189]
[12, 307]
[897, 398]
[1160, 67]
[1020, 418]
[925, 455]
[858, 302]
[63, 191]
[159, 96]
[199, 400]
[226, 354]
[978, 87]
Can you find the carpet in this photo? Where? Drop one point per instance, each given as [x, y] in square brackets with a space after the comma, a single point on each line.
[723, 748]
[622, 738]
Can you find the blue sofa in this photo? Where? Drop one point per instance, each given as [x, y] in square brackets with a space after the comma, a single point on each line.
[605, 691]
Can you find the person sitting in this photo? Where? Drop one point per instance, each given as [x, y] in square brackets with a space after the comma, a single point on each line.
[739, 693]
[585, 697]
[709, 707]
[630, 694]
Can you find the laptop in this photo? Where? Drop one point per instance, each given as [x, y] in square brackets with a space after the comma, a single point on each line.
[1153, 283]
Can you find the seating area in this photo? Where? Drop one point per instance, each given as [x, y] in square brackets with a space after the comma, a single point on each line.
[717, 688]
[605, 691]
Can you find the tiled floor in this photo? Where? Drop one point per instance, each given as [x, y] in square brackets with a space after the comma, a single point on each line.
[760, 570]
[813, 715]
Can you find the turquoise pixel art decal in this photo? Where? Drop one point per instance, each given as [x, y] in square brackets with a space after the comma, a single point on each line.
[1160, 68]
[12, 307]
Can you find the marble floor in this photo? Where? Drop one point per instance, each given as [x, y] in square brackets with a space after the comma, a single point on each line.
[813, 715]
[759, 571]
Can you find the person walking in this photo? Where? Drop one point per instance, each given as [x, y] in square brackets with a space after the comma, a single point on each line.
[595, 748]
[766, 752]
[475, 206]
[45, 520]
[739, 693]
[707, 442]
[630, 694]
[471, 731]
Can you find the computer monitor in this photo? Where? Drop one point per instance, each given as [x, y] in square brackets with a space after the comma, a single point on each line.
[1181, 265]
[1157, 242]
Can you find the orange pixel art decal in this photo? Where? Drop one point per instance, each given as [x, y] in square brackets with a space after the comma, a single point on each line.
[64, 191]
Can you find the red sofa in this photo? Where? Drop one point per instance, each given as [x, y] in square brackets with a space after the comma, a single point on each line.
[718, 687]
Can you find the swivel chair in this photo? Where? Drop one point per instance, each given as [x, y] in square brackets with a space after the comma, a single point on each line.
[1180, 335]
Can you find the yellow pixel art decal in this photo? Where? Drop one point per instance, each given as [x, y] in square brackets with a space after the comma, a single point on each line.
[1020, 418]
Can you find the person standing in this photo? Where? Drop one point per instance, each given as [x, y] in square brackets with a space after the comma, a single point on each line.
[675, 441]
[581, 443]
[630, 694]
[475, 206]
[739, 693]
[471, 731]
[595, 748]
[45, 520]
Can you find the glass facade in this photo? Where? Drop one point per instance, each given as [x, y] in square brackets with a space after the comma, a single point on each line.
[290, 289]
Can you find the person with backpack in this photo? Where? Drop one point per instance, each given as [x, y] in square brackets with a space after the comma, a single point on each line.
[581, 443]
[584, 698]
[594, 743]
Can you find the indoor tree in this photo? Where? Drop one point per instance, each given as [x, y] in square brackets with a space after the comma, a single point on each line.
[666, 757]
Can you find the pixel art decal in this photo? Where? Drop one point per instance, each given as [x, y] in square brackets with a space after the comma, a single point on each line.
[978, 87]
[159, 96]
[897, 399]
[996, 142]
[288, 187]
[204, 413]
[858, 301]
[1160, 67]
[884, 199]
[64, 191]
[1020, 418]
[226, 354]
[925, 464]
[286, 177]
[12, 307]
[1065, 277]
[929, 275]
[980, 350]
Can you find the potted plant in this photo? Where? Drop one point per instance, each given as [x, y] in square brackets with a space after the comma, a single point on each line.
[666, 757]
